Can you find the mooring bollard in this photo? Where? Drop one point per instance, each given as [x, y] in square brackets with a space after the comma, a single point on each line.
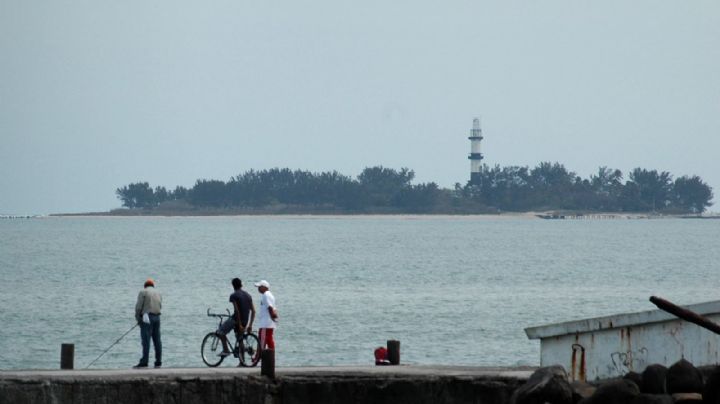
[67, 356]
[267, 367]
[393, 350]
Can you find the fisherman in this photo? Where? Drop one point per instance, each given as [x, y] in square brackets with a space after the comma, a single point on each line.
[147, 315]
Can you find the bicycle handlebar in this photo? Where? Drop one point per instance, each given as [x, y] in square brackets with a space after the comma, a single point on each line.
[218, 315]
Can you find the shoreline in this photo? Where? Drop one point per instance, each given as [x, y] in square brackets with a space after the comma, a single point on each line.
[532, 215]
[527, 215]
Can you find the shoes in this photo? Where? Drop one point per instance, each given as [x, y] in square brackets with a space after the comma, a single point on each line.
[224, 354]
[140, 366]
[158, 366]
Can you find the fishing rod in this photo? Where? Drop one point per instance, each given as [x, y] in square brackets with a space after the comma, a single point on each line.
[113, 344]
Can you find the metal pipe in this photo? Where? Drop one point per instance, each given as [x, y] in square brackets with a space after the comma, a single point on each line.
[685, 314]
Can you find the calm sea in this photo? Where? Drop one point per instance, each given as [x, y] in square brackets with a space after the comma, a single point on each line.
[453, 290]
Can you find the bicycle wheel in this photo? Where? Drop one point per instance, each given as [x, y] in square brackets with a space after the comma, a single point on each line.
[210, 350]
[249, 350]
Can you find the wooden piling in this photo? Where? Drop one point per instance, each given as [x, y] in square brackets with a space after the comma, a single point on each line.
[267, 366]
[67, 356]
[393, 349]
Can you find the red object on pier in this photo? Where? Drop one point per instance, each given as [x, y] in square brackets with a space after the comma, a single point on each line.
[381, 356]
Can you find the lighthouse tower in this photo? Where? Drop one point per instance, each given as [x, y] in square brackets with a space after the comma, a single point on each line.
[475, 156]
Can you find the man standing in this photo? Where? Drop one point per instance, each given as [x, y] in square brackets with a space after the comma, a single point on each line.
[147, 314]
[243, 317]
[268, 316]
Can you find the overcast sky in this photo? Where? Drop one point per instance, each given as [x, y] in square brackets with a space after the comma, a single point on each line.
[95, 94]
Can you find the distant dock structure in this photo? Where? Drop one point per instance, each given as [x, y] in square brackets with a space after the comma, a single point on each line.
[20, 216]
[475, 156]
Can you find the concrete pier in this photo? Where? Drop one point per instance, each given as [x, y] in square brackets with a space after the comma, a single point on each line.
[351, 384]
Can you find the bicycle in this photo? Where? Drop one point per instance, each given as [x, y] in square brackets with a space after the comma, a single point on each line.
[246, 349]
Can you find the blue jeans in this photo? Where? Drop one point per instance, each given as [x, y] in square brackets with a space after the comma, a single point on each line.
[148, 331]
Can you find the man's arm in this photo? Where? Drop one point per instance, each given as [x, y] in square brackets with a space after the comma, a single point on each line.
[238, 322]
[271, 307]
[252, 316]
[139, 306]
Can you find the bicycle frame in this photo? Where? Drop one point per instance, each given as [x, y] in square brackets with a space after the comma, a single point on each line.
[238, 348]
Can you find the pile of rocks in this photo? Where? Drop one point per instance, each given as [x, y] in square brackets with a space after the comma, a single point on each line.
[682, 383]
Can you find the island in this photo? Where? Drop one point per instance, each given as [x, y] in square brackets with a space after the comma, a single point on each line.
[548, 187]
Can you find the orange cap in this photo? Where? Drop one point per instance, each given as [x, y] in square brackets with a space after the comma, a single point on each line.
[149, 282]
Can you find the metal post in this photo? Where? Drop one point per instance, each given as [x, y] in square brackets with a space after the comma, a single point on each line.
[267, 367]
[393, 349]
[67, 356]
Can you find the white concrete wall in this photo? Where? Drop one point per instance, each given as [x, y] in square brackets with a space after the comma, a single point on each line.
[612, 352]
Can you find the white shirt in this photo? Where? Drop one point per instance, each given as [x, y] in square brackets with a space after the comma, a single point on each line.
[266, 300]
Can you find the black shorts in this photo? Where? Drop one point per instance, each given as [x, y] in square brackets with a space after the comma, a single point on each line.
[227, 326]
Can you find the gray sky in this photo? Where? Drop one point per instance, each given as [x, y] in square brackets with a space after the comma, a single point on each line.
[95, 94]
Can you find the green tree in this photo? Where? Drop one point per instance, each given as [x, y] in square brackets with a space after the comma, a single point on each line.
[384, 184]
[160, 195]
[654, 188]
[249, 189]
[629, 198]
[692, 194]
[552, 185]
[136, 195]
[210, 193]
[352, 196]
[607, 187]
[506, 188]
[178, 193]
[417, 198]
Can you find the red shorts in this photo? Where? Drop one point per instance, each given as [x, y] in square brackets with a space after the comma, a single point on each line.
[266, 338]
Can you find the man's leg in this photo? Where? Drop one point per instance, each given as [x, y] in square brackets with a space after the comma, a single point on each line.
[145, 340]
[157, 342]
[266, 338]
[223, 339]
[270, 338]
[225, 328]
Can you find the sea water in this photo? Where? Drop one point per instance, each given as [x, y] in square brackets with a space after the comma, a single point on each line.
[451, 289]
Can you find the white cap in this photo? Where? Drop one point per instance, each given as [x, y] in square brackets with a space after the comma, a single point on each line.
[263, 283]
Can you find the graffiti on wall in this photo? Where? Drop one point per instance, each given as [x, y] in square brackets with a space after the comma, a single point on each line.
[627, 361]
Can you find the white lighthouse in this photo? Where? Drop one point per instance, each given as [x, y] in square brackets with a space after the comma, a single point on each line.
[475, 156]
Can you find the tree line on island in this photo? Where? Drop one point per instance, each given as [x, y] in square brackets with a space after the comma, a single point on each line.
[549, 186]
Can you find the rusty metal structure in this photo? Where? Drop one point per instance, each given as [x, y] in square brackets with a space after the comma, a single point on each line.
[611, 346]
[685, 314]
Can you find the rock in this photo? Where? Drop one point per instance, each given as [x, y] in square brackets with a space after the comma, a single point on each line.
[621, 391]
[653, 379]
[711, 392]
[582, 390]
[652, 399]
[683, 377]
[634, 377]
[546, 385]
[687, 398]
